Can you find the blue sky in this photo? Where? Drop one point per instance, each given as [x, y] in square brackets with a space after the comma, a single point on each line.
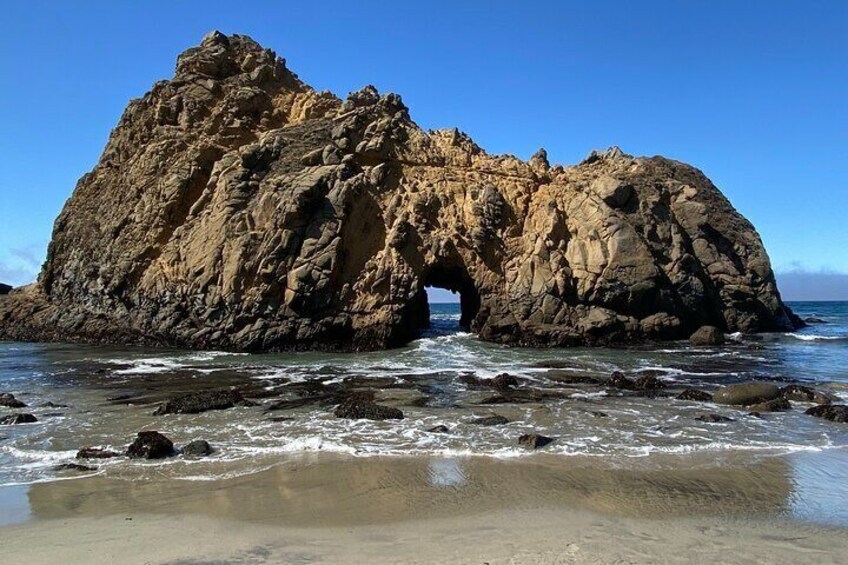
[754, 93]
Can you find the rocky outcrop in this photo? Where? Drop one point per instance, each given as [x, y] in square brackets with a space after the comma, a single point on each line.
[832, 412]
[15, 419]
[203, 401]
[696, 395]
[745, 394]
[8, 400]
[800, 393]
[197, 448]
[357, 409]
[96, 453]
[234, 207]
[534, 441]
[493, 420]
[774, 405]
[707, 335]
[150, 445]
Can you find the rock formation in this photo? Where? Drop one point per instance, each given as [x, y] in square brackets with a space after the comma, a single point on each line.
[234, 207]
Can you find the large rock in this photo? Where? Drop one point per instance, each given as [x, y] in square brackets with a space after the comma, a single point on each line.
[235, 207]
[745, 394]
[707, 335]
[14, 419]
[197, 402]
[150, 445]
[9, 401]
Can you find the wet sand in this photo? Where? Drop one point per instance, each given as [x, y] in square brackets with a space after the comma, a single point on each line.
[330, 509]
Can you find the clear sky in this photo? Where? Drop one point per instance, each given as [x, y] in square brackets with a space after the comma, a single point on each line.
[755, 93]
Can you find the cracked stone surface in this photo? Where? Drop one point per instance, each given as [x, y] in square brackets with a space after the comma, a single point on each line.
[235, 207]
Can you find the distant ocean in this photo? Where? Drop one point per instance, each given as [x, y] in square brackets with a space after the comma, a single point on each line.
[102, 396]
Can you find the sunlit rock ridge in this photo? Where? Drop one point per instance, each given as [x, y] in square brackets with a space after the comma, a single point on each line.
[235, 207]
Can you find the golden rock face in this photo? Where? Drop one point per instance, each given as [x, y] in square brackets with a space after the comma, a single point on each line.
[235, 207]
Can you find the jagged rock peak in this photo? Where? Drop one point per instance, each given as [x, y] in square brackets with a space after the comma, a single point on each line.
[540, 159]
[608, 154]
[235, 207]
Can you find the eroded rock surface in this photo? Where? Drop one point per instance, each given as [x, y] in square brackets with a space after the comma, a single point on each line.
[235, 207]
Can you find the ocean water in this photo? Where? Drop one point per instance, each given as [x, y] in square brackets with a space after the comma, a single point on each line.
[102, 396]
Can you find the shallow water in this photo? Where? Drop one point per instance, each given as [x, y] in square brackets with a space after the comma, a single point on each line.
[110, 393]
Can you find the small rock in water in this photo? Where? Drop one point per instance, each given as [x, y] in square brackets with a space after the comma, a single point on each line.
[649, 386]
[714, 418]
[291, 404]
[9, 401]
[197, 448]
[440, 429]
[74, 467]
[648, 383]
[366, 410]
[198, 402]
[707, 335]
[150, 445]
[121, 398]
[745, 394]
[504, 381]
[493, 420]
[96, 453]
[832, 412]
[599, 414]
[619, 381]
[534, 441]
[800, 393]
[774, 405]
[496, 399]
[14, 419]
[696, 395]
[50, 404]
[814, 320]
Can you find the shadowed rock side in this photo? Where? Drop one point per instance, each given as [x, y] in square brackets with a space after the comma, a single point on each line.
[234, 207]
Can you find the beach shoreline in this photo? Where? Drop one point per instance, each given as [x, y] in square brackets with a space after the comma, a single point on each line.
[331, 509]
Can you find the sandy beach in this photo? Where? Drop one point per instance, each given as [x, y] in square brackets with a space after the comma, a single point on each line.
[322, 509]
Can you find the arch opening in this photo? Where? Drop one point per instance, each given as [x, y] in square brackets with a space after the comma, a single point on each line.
[415, 316]
[457, 281]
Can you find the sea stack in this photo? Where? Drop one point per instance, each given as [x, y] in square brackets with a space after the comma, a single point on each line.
[235, 207]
